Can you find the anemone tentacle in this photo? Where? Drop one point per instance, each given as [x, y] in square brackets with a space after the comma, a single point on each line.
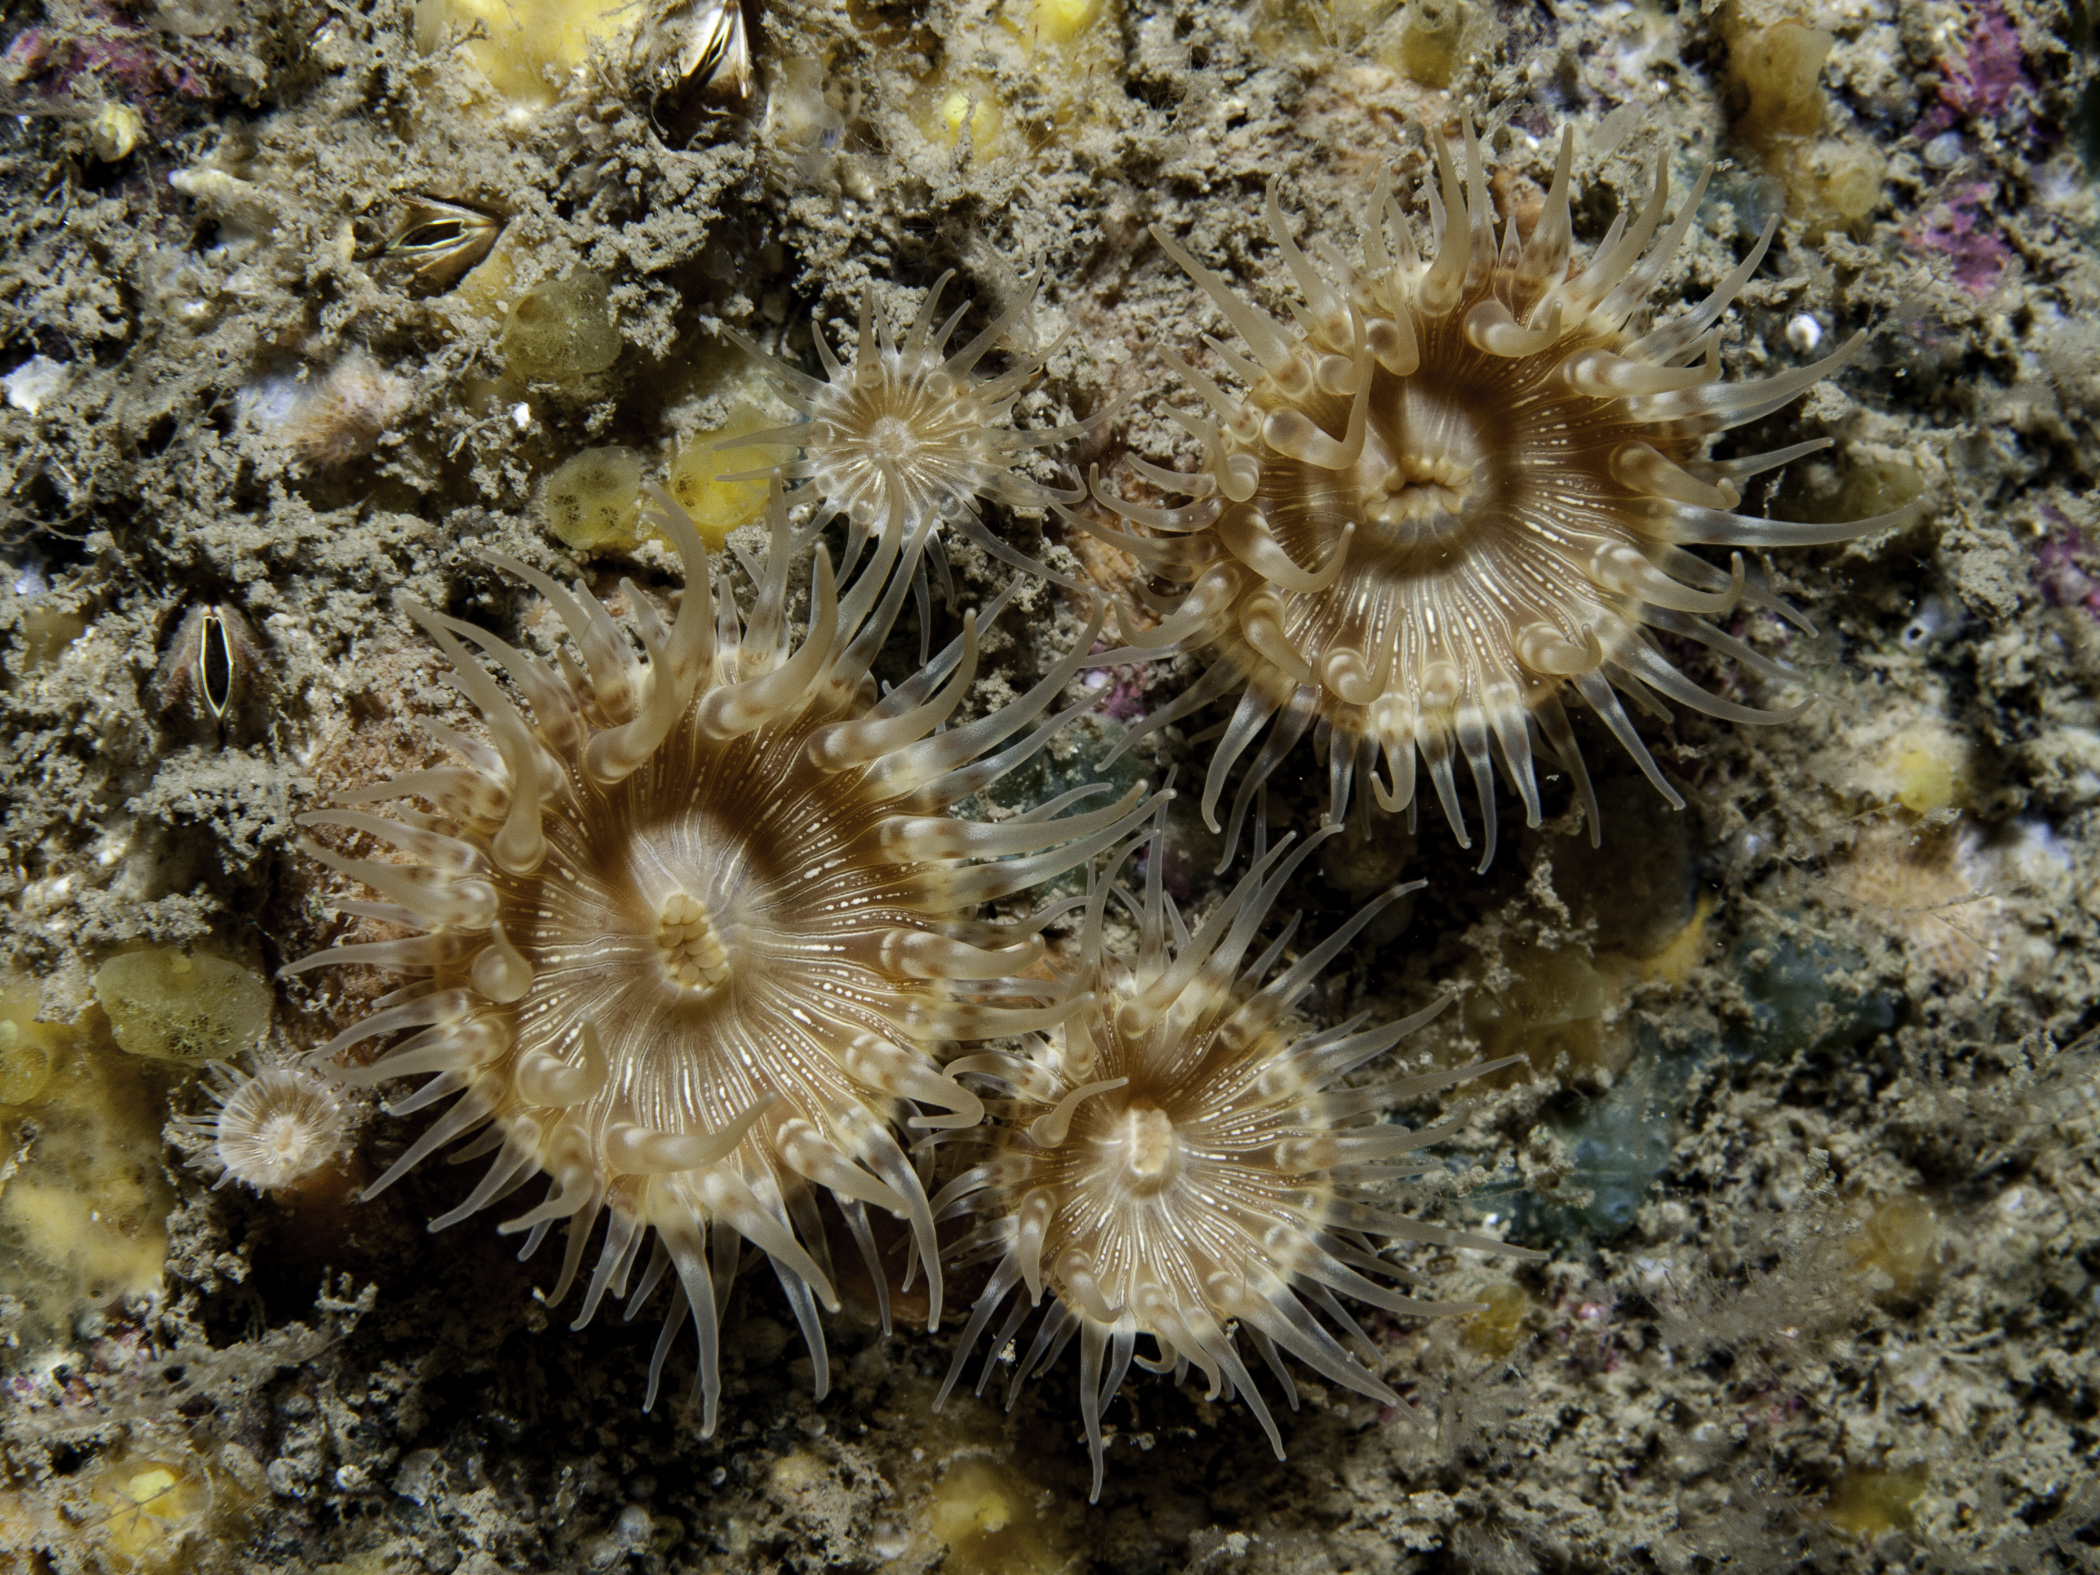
[1174, 1166]
[688, 928]
[1459, 487]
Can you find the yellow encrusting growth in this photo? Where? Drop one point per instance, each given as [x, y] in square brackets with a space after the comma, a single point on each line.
[594, 500]
[45, 632]
[1499, 1327]
[987, 1519]
[1686, 950]
[528, 49]
[1560, 1012]
[1876, 483]
[152, 1506]
[1775, 89]
[1925, 782]
[718, 507]
[1869, 1503]
[1924, 765]
[83, 1205]
[191, 1007]
[954, 106]
[1065, 21]
[559, 330]
[28, 1049]
[1429, 41]
[485, 291]
[1899, 1237]
[156, 1506]
[1775, 72]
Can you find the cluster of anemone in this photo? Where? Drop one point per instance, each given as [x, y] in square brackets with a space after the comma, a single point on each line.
[693, 931]
[688, 930]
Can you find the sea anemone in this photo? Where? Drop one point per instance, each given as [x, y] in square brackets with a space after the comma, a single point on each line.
[687, 936]
[344, 415]
[1179, 1167]
[902, 434]
[1458, 489]
[270, 1131]
[1928, 888]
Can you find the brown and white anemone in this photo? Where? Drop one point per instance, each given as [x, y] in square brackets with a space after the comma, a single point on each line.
[1457, 489]
[1178, 1166]
[268, 1132]
[902, 433]
[688, 928]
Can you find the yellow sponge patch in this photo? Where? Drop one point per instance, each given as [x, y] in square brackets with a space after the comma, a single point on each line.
[82, 1216]
[560, 329]
[719, 507]
[1061, 21]
[171, 1006]
[526, 48]
[593, 501]
[988, 1519]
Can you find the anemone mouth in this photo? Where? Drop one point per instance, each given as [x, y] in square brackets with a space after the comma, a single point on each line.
[690, 922]
[690, 945]
[1425, 489]
[1149, 1148]
[1458, 491]
[892, 440]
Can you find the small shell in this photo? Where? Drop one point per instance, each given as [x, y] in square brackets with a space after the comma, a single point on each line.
[716, 48]
[212, 662]
[115, 132]
[702, 66]
[439, 242]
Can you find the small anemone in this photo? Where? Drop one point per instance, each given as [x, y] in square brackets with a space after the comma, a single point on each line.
[1460, 488]
[688, 929]
[1929, 889]
[1179, 1168]
[345, 413]
[270, 1131]
[902, 433]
